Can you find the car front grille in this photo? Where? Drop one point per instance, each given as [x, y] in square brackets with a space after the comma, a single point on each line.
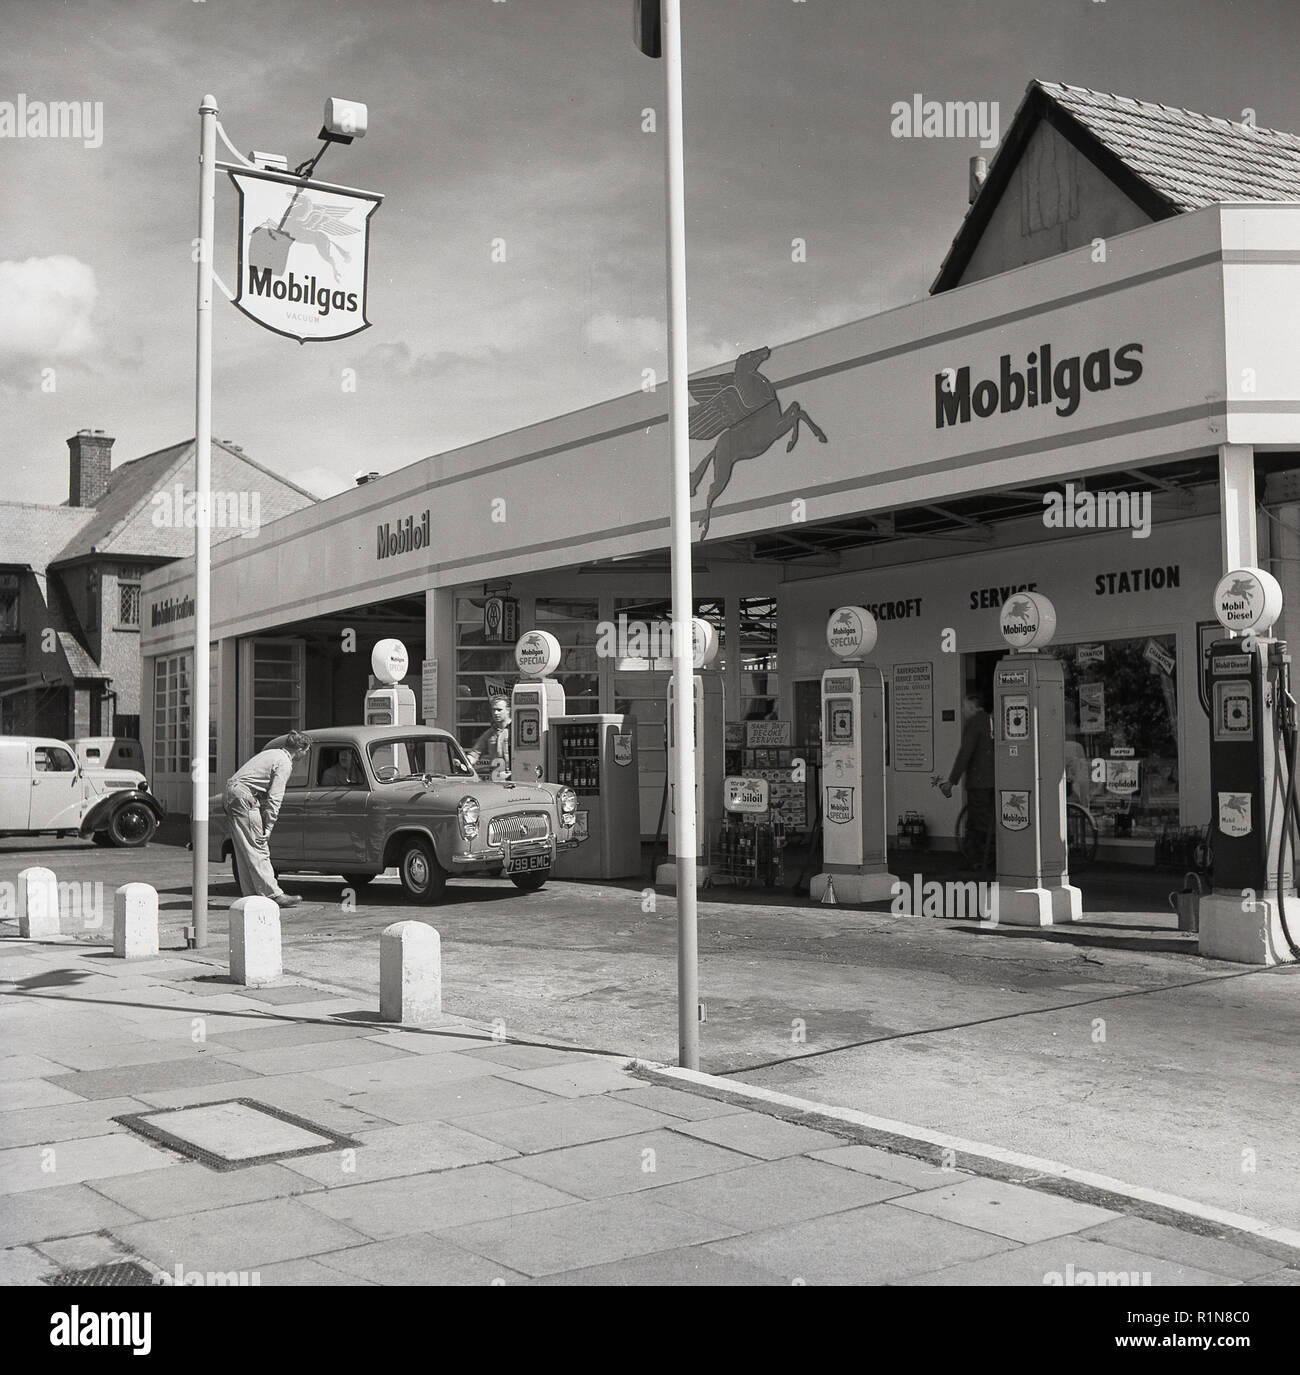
[518, 826]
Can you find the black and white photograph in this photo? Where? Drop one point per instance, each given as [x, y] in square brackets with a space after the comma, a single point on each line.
[645, 644]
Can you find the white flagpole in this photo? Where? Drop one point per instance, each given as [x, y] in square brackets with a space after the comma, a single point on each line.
[688, 1026]
[199, 704]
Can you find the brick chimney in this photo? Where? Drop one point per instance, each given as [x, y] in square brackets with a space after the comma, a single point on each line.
[90, 455]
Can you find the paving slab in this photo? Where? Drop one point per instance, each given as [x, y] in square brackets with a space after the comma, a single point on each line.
[26, 1066]
[627, 1164]
[273, 1032]
[775, 1192]
[1007, 1210]
[189, 1187]
[133, 1080]
[758, 1134]
[425, 1260]
[72, 1162]
[64, 1210]
[575, 1078]
[584, 1234]
[1284, 1276]
[434, 1203]
[409, 1071]
[82, 1252]
[141, 1050]
[235, 1130]
[684, 1266]
[391, 1152]
[283, 995]
[17, 1094]
[879, 1244]
[692, 1107]
[550, 1126]
[1171, 1243]
[904, 1169]
[307, 1273]
[302, 1094]
[448, 1102]
[431, 1040]
[80, 1118]
[524, 1057]
[20, 1265]
[244, 1237]
[324, 1055]
[1071, 1261]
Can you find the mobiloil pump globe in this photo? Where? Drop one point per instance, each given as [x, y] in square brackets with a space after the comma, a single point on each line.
[1253, 914]
[1034, 886]
[855, 865]
[534, 700]
[392, 703]
[710, 741]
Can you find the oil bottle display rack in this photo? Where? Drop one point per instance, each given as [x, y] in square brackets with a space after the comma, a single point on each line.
[745, 851]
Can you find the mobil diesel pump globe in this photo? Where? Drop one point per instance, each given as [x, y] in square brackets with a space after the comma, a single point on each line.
[1027, 620]
[704, 642]
[389, 661]
[851, 631]
[537, 653]
[1248, 599]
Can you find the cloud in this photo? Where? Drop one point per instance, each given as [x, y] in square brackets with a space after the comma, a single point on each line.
[631, 336]
[319, 480]
[46, 306]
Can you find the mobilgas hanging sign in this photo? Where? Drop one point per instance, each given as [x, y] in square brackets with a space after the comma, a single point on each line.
[303, 255]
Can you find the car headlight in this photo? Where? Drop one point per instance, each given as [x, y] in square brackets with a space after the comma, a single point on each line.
[467, 817]
[568, 806]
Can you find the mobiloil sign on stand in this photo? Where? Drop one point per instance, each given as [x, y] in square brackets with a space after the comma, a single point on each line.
[855, 866]
[710, 739]
[1029, 770]
[534, 702]
[1246, 917]
[393, 703]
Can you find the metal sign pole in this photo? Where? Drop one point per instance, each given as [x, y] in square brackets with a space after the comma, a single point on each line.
[688, 1026]
[199, 704]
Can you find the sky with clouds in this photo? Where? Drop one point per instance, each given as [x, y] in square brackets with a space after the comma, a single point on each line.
[519, 120]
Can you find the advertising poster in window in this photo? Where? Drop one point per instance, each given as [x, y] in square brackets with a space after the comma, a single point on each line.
[1092, 708]
[913, 718]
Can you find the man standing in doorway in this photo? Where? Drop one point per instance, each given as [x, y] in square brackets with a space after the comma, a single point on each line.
[974, 763]
[252, 803]
[494, 743]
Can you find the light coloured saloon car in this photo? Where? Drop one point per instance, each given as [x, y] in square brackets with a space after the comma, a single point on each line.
[369, 798]
[45, 788]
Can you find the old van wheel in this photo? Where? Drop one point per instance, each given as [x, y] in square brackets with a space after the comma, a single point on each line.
[101, 838]
[359, 881]
[530, 882]
[423, 878]
[132, 825]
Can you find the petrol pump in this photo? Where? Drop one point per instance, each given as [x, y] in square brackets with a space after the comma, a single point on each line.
[392, 703]
[1033, 877]
[534, 702]
[710, 741]
[855, 865]
[1253, 915]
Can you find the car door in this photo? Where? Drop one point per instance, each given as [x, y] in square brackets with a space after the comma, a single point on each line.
[15, 784]
[57, 798]
[334, 838]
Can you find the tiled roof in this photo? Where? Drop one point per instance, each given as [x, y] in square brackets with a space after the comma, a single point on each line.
[80, 663]
[33, 535]
[1192, 160]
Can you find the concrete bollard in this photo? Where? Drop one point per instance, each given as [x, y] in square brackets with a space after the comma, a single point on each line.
[38, 903]
[255, 957]
[410, 973]
[135, 921]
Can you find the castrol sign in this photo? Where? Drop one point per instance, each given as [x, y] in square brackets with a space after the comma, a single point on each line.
[851, 632]
[1248, 599]
[1027, 620]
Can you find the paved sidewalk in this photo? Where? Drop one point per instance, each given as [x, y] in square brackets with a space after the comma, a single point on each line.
[448, 1157]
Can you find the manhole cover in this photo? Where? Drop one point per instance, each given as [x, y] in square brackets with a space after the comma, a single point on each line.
[234, 1133]
[122, 1273]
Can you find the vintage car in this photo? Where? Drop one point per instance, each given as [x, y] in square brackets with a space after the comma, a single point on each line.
[44, 788]
[366, 798]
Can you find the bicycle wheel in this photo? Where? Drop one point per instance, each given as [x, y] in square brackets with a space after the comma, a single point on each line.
[1080, 834]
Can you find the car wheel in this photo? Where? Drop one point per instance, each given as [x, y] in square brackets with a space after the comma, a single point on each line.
[359, 880]
[101, 838]
[531, 882]
[131, 826]
[423, 878]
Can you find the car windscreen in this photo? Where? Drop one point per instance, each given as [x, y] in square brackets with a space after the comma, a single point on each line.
[417, 755]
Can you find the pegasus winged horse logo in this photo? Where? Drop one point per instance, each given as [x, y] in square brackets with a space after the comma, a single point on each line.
[316, 223]
[740, 409]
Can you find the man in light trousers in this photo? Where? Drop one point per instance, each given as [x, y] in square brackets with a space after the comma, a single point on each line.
[252, 803]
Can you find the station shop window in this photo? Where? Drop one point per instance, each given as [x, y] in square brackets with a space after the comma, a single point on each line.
[171, 714]
[275, 668]
[759, 684]
[575, 622]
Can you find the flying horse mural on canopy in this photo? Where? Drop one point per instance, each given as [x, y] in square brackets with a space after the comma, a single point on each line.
[741, 410]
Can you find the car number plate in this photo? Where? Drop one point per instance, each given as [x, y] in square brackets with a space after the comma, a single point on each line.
[523, 864]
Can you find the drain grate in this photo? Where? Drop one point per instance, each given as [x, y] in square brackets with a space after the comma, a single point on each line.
[234, 1133]
[120, 1274]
